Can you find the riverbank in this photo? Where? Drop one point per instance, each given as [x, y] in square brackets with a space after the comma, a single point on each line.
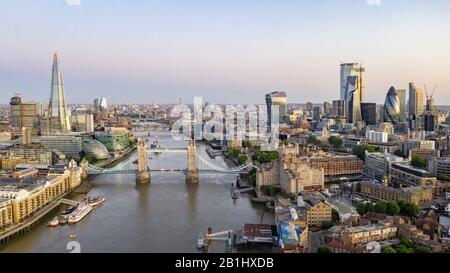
[21, 228]
[114, 161]
[15, 231]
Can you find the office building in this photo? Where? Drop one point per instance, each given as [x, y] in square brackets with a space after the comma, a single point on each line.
[426, 153]
[376, 136]
[392, 107]
[362, 235]
[439, 165]
[317, 212]
[277, 98]
[431, 108]
[351, 70]
[416, 101]
[28, 195]
[327, 108]
[317, 113]
[58, 120]
[298, 175]
[418, 195]
[82, 120]
[26, 136]
[24, 114]
[406, 176]
[369, 113]
[403, 106]
[69, 145]
[103, 106]
[95, 149]
[96, 106]
[31, 153]
[354, 100]
[114, 139]
[428, 122]
[338, 108]
[337, 167]
[378, 165]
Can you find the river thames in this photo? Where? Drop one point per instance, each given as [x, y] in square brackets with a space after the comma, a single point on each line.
[165, 215]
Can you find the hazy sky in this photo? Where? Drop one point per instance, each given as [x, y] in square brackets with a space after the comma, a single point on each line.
[228, 51]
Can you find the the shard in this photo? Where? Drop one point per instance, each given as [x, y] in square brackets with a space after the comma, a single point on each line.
[59, 121]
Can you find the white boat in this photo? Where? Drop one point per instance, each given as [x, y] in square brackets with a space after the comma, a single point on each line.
[54, 222]
[96, 200]
[200, 242]
[83, 209]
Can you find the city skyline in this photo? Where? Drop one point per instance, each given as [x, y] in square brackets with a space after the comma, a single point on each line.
[160, 52]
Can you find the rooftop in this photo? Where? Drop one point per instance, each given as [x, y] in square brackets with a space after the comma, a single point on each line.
[412, 170]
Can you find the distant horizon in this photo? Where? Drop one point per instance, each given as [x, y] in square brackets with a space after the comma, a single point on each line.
[224, 51]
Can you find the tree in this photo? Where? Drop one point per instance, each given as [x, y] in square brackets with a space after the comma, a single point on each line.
[248, 145]
[392, 208]
[242, 159]
[335, 142]
[422, 249]
[286, 142]
[313, 140]
[233, 153]
[381, 207]
[370, 207]
[402, 205]
[406, 242]
[360, 151]
[419, 161]
[388, 249]
[411, 210]
[443, 177]
[323, 249]
[265, 157]
[361, 208]
[401, 248]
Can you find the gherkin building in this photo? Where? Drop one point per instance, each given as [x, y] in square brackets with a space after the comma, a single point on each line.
[392, 107]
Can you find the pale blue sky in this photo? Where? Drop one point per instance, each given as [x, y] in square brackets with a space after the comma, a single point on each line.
[228, 51]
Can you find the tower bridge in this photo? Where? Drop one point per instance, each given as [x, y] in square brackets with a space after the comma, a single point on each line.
[195, 164]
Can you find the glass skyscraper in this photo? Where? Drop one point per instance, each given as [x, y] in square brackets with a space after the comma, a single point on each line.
[392, 109]
[349, 70]
[354, 100]
[57, 108]
[278, 98]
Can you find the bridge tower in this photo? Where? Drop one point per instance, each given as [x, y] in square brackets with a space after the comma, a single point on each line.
[192, 175]
[143, 172]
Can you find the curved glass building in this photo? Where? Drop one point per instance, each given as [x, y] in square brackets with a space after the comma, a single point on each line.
[392, 111]
[95, 148]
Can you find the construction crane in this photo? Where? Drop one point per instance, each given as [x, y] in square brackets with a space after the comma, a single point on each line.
[430, 95]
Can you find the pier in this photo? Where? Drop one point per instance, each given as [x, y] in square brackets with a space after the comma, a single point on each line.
[28, 224]
[17, 230]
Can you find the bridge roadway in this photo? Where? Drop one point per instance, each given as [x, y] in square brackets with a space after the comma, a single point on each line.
[133, 171]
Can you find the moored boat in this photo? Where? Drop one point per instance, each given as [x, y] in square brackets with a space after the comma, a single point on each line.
[54, 222]
[200, 242]
[69, 210]
[63, 219]
[96, 200]
[83, 209]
